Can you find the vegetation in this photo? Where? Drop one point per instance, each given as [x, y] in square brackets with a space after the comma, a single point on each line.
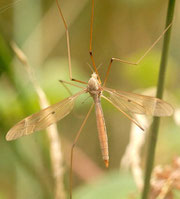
[123, 29]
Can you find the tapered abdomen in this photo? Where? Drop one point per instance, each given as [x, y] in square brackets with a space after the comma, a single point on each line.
[101, 130]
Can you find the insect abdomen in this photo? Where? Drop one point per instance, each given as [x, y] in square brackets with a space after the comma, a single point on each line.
[102, 130]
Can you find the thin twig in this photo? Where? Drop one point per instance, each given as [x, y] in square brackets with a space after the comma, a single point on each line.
[159, 94]
[52, 132]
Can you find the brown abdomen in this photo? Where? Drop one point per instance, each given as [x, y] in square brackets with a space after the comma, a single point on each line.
[101, 130]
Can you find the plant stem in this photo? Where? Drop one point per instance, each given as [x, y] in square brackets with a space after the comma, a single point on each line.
[160, 87]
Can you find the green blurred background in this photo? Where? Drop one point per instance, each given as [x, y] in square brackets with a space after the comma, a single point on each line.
[122, 28]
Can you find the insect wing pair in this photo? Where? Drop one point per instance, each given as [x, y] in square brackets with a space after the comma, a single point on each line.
[127, 103]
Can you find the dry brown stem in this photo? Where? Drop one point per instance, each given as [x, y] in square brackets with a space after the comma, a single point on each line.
[52, 131]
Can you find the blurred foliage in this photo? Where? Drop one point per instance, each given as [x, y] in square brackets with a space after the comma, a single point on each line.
[115, 185]
[5, 57]
[123, 29]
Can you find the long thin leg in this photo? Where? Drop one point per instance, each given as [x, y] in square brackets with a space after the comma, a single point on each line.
[74, 144]
[90, 45]
[68, 45]
[139, 60]
[64, 85]
[62, 82]
[70, 93]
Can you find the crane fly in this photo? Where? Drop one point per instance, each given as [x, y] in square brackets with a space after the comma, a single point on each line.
[127, 103]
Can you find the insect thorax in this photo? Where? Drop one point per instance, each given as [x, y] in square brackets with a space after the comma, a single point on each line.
[94, 87]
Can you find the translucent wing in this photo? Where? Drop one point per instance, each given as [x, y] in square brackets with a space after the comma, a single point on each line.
[129, 115]
[43, 119]
[130, 103]
[140, 104]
